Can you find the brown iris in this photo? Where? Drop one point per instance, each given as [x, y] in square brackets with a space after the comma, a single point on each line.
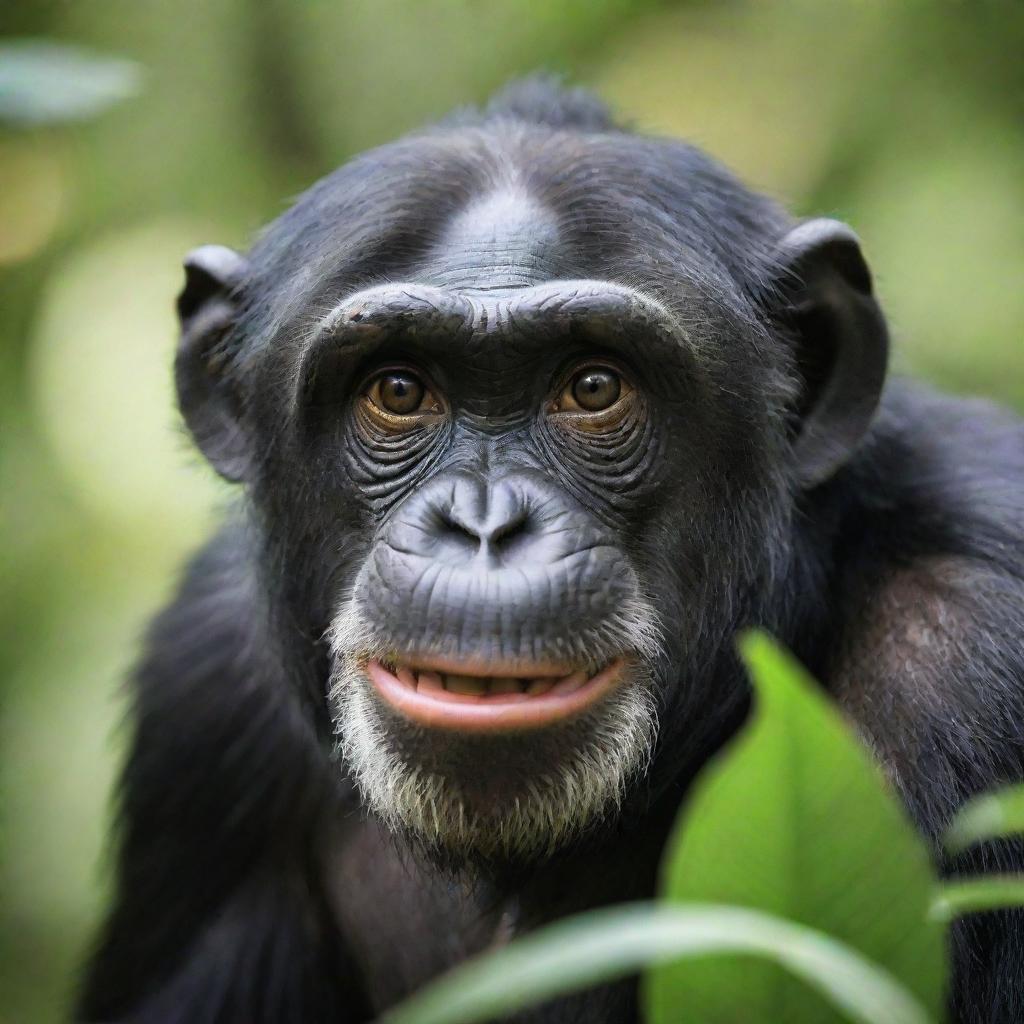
[401, 393]
[596, 388]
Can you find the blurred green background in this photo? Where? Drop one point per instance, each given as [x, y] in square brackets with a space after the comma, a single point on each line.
[906, 119]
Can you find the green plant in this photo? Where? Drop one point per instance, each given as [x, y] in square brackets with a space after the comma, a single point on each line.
[794, 888]
[43, 81]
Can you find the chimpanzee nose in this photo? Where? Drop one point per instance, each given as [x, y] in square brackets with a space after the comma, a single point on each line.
[500, 557]
[481, 518]
[466, 519]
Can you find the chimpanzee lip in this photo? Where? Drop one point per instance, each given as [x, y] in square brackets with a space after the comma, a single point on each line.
[450, 695]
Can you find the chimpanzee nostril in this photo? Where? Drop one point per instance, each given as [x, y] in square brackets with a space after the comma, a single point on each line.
[448, 523]
[512, 527]
[488, 523]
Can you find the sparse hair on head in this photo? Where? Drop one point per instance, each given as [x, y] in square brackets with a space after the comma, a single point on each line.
[542, 99]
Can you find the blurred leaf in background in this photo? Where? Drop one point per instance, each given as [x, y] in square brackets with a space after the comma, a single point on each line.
[904, 119]
[43, 82]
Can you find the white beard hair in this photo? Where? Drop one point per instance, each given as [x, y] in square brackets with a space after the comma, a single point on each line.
[560, 804]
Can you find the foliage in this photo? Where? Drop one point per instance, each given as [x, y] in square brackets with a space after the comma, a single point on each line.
[795, 820]
[43, 82]
[990, 816]
[604, 945]
[997, 815]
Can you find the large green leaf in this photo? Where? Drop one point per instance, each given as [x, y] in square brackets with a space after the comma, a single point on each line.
[607, 944]
[989, 816]
[795, 819]
[42, 82]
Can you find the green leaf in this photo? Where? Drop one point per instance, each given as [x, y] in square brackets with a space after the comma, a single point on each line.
[795, 819]
[43, 82]
[608, 944]
[993, 892]
[989, 816]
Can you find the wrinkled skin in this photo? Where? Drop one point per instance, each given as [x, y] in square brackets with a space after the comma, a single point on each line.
[394, 376]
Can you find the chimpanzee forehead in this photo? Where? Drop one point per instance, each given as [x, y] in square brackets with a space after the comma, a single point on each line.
[502, 269]
[506, 239]
[476, 214]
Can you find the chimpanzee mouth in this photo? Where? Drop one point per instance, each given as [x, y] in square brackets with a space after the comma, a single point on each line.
[454, 696]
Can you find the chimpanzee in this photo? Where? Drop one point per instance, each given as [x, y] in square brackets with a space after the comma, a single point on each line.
[531, 414]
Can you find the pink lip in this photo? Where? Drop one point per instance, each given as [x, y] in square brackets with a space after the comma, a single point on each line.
[493, 712]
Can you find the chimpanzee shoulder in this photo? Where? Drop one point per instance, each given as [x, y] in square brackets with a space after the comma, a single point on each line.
[928, 594]
[937, 474]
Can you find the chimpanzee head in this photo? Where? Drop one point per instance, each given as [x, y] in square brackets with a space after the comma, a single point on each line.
[523, 406]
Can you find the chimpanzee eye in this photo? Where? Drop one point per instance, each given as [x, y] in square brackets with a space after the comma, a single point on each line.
[401, 393]
[591, 389]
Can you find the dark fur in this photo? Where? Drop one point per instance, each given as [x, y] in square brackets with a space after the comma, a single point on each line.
[249, 887]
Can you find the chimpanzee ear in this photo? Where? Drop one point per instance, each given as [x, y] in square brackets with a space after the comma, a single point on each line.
[207, 307]
[842, 343]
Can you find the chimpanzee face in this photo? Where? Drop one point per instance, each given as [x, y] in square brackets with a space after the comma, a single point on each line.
[495, 661]
[525, 489]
